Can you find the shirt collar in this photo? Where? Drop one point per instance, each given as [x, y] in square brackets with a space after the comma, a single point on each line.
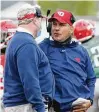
[72, 43]
[21, 29]
[72, 40]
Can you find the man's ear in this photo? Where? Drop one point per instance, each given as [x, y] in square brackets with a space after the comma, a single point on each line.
[71, 29]
[34, 19]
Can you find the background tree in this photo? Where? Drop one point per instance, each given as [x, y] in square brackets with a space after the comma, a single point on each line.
[77, 7]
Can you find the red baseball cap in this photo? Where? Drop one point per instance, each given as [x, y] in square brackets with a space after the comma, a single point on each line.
[63, 16]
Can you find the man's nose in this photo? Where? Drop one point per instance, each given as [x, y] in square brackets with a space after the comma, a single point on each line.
[57, 27]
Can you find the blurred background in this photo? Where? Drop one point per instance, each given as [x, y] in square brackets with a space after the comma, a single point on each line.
[88, 10]
[81, 9]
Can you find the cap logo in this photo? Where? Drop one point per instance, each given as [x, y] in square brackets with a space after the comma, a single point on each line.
[60, 13]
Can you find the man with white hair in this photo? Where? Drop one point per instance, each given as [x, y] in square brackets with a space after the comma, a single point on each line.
[27, 78]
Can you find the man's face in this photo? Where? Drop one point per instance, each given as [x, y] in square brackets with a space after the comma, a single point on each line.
[60, 31]
[39, 21]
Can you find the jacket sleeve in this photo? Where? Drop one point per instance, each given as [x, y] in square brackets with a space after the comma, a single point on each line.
[91, 78]
[27, 62]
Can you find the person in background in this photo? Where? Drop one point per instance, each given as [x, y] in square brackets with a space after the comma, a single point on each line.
[84, 32]
[70, 64]
[28, 79]
[7, 29]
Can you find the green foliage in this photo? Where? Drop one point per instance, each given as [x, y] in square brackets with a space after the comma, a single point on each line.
[76, 7]
[85, 7]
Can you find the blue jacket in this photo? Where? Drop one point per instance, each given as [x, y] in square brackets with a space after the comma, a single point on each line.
[72, 68]
[27, 74]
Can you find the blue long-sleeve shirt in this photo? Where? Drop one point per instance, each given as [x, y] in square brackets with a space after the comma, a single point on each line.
[72, 68]
[27, 74]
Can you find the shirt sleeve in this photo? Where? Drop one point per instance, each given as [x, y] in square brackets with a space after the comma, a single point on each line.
[91, 78]
[27, 62]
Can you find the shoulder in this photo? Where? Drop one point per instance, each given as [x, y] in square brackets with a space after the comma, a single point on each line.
[44, 43]
[23, 41]
[81, 50]
[23, 38]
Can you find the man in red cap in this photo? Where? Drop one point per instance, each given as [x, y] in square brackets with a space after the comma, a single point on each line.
[70, 64]
[27, 78]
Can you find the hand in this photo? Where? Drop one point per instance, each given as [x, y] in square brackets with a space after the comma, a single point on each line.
[82, 107]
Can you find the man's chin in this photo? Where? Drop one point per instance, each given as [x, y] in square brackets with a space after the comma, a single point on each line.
[57, 39]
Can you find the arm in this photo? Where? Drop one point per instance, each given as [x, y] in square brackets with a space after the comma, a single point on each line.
[91, 78]
[27, 62]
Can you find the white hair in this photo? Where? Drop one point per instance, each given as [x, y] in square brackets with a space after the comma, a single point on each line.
[25, 9]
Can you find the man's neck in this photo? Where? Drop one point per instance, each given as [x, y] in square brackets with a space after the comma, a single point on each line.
[24, 29]
[65, 42]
